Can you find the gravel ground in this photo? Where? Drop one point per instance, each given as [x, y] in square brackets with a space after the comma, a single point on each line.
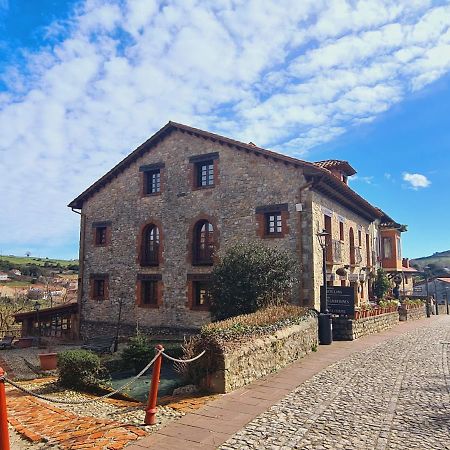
[393, 396]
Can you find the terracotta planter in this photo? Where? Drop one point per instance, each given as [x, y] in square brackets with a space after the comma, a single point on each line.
[357, 313]
[48, 361]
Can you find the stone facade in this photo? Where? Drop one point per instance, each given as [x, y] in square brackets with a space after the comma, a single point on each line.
[115, 213]
[244, 362]
[246, 182]
[322, 206]
[350, 329]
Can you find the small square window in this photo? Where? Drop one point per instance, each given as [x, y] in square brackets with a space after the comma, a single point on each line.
[205, 173]
[273, 223]
[153, 182]
[202, 295]
[149, 292]
[99, 289]
[100, 235]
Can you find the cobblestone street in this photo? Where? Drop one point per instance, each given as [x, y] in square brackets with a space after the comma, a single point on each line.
[395, 395]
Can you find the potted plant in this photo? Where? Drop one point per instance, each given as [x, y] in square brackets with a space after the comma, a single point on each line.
[48, 358]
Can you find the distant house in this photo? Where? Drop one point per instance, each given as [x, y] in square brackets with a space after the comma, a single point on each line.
[439, 287]
[4, 276]
[16, 272]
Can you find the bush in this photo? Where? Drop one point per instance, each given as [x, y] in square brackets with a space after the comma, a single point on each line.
[138, 352]
[250, 277]
[78, 369]
[381, 284]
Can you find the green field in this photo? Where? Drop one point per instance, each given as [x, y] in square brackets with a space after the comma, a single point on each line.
[24, 260]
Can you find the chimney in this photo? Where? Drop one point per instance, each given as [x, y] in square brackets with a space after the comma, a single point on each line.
[405, 263]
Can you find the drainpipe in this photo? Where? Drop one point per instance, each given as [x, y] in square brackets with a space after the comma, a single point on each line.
[80, 266]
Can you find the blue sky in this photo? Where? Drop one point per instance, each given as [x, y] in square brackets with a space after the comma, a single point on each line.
[82, 83]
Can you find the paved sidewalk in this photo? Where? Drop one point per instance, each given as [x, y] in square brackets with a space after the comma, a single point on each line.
[385, 391]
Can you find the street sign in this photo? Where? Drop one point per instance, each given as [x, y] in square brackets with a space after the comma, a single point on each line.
[341, 299]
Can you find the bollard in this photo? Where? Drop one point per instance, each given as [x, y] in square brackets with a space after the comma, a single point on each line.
[150, 413]
[4, 434]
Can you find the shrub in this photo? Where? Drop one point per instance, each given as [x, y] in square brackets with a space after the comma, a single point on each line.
[138, 352]
[381, 284]
[250, 277]
[78, 369]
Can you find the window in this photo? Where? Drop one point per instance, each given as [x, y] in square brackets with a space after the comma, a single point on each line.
[201, 294]
[351, 237]
[101, 233]
[152, 178]
[203, 243]
[272, 220]
[341, 231]
[387, 248]
[152, 182]
[399, 248]
[359, 238]
[205, 173]
[99, 287]
[368, 263]
[204, 170]
[273, 223]
[150, 246]
[149, 290]
[199, 291]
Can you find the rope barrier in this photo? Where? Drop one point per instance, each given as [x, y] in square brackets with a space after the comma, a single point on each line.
[110, 394]
[83, 402]
[184, 360]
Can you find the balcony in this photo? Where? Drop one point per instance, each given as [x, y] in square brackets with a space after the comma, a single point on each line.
[355, 256]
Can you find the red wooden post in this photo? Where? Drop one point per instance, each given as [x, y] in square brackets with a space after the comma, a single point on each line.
[4, 434]
[150, 413]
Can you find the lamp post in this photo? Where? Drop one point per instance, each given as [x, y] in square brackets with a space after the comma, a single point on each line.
[37, 307]
[325, 324]
[426, 268]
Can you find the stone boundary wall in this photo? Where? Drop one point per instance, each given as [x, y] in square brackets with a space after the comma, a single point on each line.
[345, 329]
[241, 363]
[412, 313]
[442, 309]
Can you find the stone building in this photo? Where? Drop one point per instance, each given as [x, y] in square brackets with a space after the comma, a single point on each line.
[153, 227]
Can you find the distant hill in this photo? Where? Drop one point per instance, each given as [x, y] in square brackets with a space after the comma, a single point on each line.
[8, 262]
[437, 262]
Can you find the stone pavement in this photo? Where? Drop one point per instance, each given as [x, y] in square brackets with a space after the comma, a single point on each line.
[385, 391]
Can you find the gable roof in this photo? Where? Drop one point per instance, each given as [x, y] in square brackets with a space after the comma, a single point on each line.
[338, 164]
[316, 173]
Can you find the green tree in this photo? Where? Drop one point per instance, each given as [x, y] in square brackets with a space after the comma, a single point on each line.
[249, 277]
[381, 284]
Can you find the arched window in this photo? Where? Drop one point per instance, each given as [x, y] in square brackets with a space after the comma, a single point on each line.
[203, 243]
[150, 246]
[352, 246]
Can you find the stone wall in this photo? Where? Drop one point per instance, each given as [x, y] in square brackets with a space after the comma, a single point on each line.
[411, 313]
[242, 363]
[442, 309]
[350, 329]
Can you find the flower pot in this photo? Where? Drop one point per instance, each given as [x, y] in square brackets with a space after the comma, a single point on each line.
[48, 361]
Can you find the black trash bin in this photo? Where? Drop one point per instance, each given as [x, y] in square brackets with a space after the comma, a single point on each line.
[325, 329]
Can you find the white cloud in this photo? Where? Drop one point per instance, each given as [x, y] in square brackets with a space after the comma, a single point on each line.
[288, 75]
[416, 180]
